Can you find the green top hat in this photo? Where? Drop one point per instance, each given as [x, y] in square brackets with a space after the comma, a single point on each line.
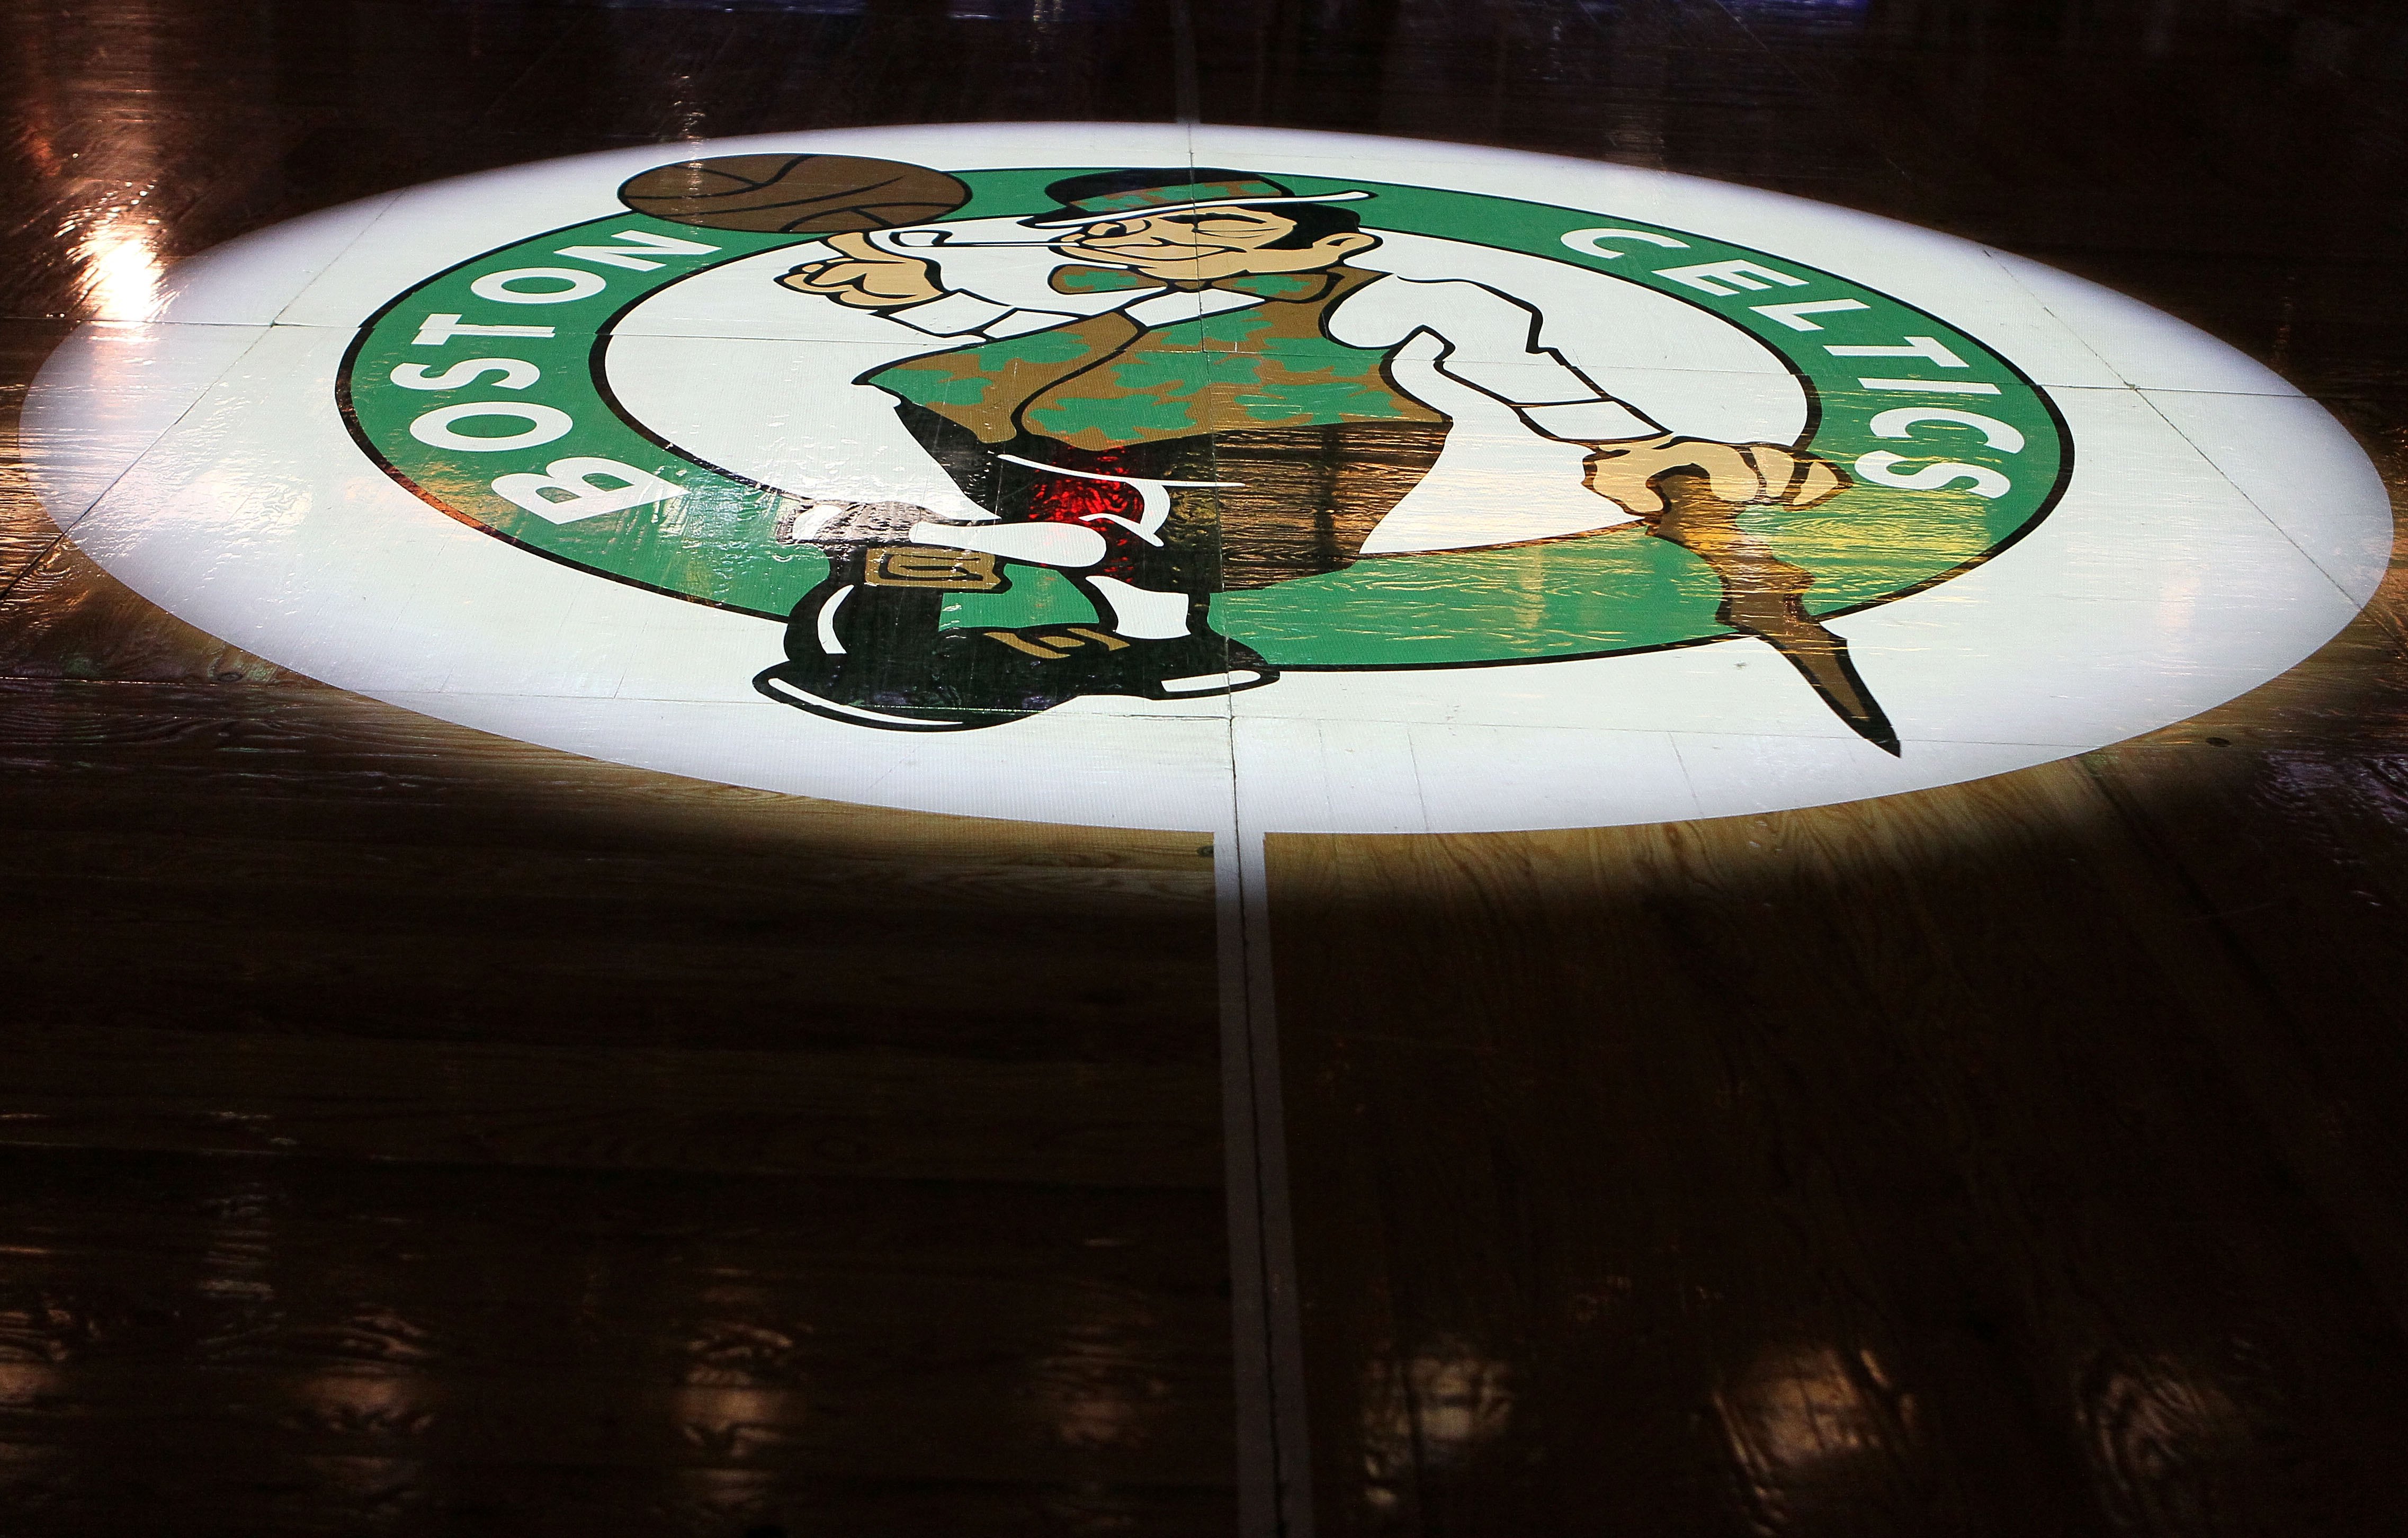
[1165, 189]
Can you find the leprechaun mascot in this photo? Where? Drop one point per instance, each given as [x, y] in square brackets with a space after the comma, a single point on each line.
[1230, 421]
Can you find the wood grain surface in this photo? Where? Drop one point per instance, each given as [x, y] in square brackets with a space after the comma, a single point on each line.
[2020, 1156]
[2023, 1157]
[639, 1073]
[406, 1131]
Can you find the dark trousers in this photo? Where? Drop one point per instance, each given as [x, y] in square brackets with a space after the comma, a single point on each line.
[1307, 497]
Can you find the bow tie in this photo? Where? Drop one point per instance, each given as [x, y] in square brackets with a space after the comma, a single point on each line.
[1291, 286]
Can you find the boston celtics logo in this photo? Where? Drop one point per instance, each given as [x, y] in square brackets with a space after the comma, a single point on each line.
[1202, 478]
[1171, 433]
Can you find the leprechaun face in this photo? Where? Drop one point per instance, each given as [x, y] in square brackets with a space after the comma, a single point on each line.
[1197, 245]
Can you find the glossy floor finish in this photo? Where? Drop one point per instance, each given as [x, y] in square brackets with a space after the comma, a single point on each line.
[404, 1130]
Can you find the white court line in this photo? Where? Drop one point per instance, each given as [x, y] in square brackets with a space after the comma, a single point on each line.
[1274, 1479]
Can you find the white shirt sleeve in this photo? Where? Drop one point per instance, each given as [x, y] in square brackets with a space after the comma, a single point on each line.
[1492, 344]
[962, 313]
[1598, 421]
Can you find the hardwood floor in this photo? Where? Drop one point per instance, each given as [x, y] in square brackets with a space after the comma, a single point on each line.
[405, 1129]
[2003, 1158]
[410, 1129]
[2014, 1157]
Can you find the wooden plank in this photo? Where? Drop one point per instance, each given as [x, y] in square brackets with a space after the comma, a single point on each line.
[1776, 1169]
[26, 532]
[307, 746]
[63, 617]
[482, 985]
[450, 1332]
[286, 857]
[857, 1114]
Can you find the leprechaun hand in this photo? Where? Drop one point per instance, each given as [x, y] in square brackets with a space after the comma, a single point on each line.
[864, 276]
[1737, 472]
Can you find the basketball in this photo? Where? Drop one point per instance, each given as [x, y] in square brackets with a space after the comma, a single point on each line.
[794, 194]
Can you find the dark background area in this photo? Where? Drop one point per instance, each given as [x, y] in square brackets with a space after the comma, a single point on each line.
[405, 1130]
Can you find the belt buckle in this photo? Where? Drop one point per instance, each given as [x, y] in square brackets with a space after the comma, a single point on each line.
[931, 567]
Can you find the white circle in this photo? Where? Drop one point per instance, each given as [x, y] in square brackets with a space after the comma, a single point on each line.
[2219, 527]
[545, 424]
[497, 286]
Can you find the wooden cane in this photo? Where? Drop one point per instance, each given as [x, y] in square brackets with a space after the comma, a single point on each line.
[1764, 596]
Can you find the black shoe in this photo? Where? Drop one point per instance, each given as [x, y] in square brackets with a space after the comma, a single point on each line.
[873, 656]
[865, 654]
[814, 690]
[1058, 662]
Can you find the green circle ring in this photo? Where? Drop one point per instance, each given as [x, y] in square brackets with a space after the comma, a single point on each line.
[1615, 591]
